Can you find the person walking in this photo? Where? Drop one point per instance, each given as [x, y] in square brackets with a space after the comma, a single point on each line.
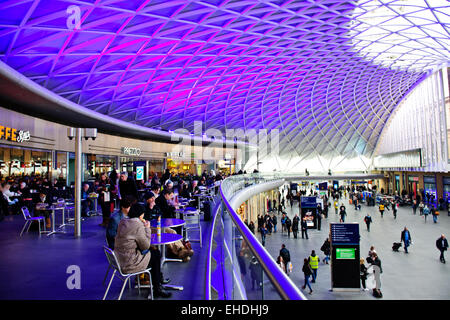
[363, 273]
[421, 207]
[295, 222]
[434, 213]
[426, 212]
[326, 248]
[368, 221]
[264, 231]
[307, 272]
[304, 227]
[283, 222]
[406, 238]
[442, 245]
[336, 208]
[314, 263]
[319, 219]
[394, 209]
[284, 253]
[288, 226]
[343, 213]
[414, 206]
[274, 222]
[377, 271]
[381, 208]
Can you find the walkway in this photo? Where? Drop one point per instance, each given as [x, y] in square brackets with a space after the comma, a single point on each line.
[417, 275]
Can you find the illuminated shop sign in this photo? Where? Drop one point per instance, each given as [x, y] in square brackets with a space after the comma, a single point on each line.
[11, 134]
[131, 151]
[174, 154]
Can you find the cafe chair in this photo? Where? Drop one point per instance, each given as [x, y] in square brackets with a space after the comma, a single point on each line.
[125, 277]
[109, 265]
[192, 220]
[29, 220]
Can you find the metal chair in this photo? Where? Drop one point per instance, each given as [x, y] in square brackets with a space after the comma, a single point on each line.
[109, 265]
[192, 219]
[125, 277]
[29, 219]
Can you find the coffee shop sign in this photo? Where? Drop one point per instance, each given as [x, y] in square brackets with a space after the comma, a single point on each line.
[131, 151]
[12, 134]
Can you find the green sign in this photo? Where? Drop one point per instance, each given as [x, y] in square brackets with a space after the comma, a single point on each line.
[345, 253]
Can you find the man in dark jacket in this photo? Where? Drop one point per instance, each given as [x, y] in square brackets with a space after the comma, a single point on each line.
[295, 222]
[285, 254]
[162, 202]
[152, 211]
[127, 186]
[288, 223]
[304, 226]
[406, 238]
[442, 245]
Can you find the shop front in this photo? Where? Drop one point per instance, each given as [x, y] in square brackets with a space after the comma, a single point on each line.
[15, 161]
[429, 188]
[413, 185]
[446, 188]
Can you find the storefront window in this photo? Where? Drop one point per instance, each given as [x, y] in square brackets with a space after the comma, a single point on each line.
[446, 182]
[17, 162]
[98, 164]
[430, 188]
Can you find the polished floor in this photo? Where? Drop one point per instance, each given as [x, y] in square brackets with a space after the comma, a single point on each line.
[35, 267]
[416, 275]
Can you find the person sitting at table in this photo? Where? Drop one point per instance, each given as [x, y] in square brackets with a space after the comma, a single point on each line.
[86, 203]
[168, 185]
[134, 250]
[25, 194]
[8, 194]
[41, 205]
[184, 190]
[194, 189]
[162, 202]
[152, 211]
[113, 223]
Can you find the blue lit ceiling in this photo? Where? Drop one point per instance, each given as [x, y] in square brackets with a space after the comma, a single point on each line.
[327, 74]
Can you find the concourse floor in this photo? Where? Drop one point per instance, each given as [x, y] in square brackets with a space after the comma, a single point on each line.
[416, 275]
[35, 267]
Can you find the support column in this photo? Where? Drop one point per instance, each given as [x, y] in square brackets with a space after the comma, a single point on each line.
[78, 171]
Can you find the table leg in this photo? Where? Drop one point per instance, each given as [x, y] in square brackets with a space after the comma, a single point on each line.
[163, 260]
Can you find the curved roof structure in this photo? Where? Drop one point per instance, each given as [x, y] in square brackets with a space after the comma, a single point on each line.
[327, 74]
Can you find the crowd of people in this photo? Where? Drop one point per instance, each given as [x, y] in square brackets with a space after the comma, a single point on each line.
[266, 225]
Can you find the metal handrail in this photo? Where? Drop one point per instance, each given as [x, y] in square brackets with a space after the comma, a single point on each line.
[282, 283]
[208, 262]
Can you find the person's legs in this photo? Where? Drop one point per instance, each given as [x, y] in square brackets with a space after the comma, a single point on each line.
[406, 246]
[441, 257]
[314, 275]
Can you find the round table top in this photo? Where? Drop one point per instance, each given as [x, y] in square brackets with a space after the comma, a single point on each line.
[166, 238]
[168, 222]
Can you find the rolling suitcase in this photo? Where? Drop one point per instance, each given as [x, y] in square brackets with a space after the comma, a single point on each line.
[396, 246]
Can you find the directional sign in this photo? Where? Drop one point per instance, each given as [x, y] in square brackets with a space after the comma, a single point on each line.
[345, 233]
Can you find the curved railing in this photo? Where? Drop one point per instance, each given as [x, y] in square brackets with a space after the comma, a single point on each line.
[239, 267]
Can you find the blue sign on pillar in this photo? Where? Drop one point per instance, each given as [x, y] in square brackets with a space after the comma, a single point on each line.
[139, 173]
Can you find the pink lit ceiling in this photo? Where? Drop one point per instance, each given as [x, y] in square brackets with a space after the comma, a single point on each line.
[297, 66]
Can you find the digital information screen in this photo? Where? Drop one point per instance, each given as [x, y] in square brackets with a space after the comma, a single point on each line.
[345, 253]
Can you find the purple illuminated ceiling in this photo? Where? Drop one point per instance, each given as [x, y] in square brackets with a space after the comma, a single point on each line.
[289, 65]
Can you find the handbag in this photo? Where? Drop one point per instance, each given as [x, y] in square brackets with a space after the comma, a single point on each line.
[290, 267]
